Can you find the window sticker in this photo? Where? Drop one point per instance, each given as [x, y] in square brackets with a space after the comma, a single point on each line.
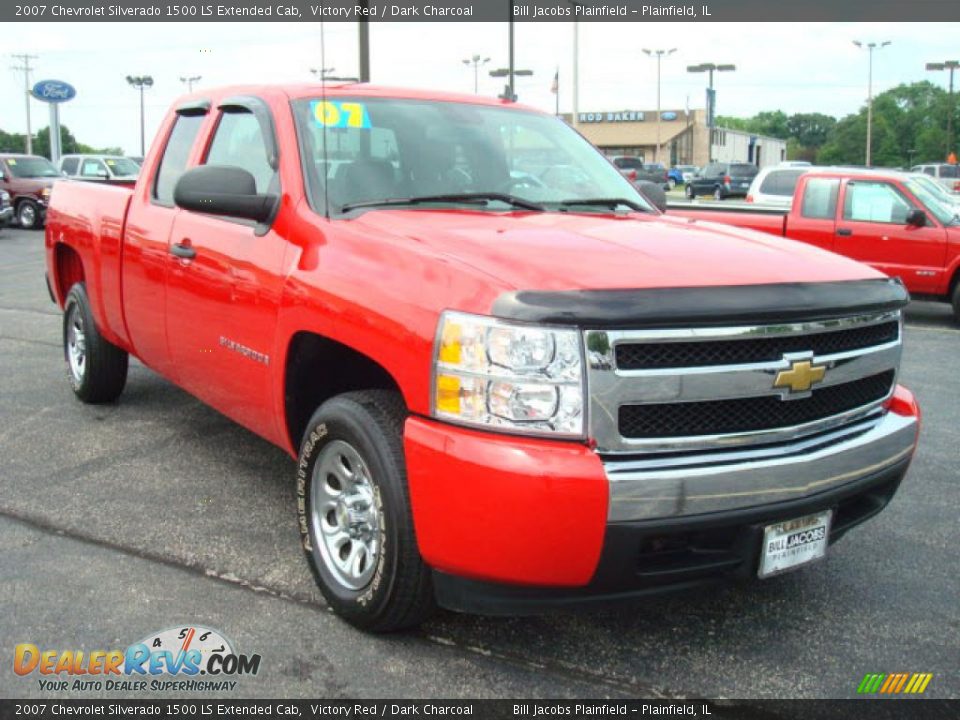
[337, 114]
[111, 163]
[11, 161]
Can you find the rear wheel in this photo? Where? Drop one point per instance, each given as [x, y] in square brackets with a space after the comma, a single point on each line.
[96, 368]
[956, 301]
[28, 214]
[718, 194]
[671, 183]
[355, 520]
[689, 191]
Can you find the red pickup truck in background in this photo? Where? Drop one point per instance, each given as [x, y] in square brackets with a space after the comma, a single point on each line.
[887, 219]
[503, 393]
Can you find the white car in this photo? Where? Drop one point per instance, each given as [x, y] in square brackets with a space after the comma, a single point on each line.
[773, 186]
[99, 167]
[945, 174]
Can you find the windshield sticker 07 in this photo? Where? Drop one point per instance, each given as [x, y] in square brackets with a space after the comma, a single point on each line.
[337, 114]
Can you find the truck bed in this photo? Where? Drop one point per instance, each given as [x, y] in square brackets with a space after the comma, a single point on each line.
[93, 215]
[768, 220]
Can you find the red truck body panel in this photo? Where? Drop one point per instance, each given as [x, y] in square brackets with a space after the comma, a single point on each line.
[927, 259]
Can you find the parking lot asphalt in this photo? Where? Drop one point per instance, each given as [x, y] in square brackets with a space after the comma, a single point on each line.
[156, 511]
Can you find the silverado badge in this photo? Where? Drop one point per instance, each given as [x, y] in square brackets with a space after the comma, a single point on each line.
[800, 377]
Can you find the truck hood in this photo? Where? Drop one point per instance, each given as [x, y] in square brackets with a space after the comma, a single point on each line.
[573, 251]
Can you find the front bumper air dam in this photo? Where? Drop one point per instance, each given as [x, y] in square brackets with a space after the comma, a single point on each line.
[512, 525]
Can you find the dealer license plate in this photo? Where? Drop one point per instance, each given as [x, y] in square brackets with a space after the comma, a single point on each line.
[789, 544]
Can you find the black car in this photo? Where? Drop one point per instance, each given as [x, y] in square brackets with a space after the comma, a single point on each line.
[722, 180]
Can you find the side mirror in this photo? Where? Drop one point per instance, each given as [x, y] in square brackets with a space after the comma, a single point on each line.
[223, 190]
[104, 175]
[916, 218]
[654, 194]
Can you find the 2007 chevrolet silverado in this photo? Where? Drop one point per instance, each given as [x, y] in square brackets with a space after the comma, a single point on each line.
[510, 383]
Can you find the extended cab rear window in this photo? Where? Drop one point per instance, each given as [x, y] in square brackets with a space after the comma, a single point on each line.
[820, 198]
[175, 156]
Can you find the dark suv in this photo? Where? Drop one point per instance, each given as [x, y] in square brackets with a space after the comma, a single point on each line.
[722, 180]
[28, 179]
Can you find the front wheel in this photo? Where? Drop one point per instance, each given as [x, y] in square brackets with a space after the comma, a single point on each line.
[355, 520]
[97, 369]
[28, 215]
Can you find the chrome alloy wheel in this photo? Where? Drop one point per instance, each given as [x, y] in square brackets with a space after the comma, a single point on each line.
[76, 344]
[345, 515]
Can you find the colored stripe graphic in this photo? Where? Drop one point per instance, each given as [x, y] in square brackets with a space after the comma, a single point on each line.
[894, 683]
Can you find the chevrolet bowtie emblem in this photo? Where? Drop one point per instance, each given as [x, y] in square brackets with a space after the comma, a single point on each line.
[800, 377]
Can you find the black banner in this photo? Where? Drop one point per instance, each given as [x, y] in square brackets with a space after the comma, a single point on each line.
[482, 10]
[866, 709]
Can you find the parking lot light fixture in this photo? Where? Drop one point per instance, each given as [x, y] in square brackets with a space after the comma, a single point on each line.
[477, 62]
[658, 54]
[949, 65]
[190, 80]
[141, 82]
[870, 47]
[710, 69]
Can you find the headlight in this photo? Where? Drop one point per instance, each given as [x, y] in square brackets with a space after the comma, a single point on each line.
[45, 194]
[499, 375]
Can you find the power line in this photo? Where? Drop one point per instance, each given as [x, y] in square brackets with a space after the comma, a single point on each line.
[25, 68]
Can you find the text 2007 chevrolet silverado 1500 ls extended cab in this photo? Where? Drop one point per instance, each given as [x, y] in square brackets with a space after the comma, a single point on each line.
[503, 394]
[888, 219]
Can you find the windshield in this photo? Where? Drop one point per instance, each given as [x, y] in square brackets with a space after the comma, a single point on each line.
[944, 211]
[31, 167]
[121, 166]
[381, 149]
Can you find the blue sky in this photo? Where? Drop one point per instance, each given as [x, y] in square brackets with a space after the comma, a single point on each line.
[793, 67]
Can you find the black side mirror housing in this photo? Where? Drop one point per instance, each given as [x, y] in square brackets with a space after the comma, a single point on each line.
[916, 218]
[654, 194]
[223, 190]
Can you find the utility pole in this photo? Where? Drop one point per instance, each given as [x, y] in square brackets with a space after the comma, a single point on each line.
[190, 80]
[658, 54]
[870, 47]
[363, 41]
[950, 65]
[25, 68]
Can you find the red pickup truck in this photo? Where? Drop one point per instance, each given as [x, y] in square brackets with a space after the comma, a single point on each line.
[891, 220]
[503, 393]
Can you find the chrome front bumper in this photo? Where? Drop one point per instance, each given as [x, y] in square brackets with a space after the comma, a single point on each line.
[706, 482]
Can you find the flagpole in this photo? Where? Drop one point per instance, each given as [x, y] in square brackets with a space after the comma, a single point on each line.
[556, 81]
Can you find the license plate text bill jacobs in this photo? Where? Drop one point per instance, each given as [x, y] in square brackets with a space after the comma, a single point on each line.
[789, 544]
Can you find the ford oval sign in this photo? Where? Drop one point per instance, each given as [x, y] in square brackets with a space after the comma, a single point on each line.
[53, 91]
[670, 115]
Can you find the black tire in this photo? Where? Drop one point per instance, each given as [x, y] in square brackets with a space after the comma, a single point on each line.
[399, 593]
[102, 374]
[689, 191]
[718, 194]
[28, 215]
[956, 301]
[671, 184]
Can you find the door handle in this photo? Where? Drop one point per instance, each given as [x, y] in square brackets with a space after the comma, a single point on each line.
[183, 250]
[846, 232]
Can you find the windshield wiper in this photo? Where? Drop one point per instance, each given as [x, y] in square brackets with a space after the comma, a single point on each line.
[468, 198]
[612, 203]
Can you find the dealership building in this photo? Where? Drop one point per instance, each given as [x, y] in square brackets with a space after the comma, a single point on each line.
[685, 138]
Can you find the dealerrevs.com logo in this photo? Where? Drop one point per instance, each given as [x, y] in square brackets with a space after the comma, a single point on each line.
[180, 659]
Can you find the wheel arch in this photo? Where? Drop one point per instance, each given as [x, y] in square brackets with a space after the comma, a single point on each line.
[68, 270]
[317, 368]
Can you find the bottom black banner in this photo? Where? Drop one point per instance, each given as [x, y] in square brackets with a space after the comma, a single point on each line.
[494, 709]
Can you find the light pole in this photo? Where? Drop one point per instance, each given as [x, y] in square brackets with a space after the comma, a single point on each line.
[324, 75]
[870, 47]
[950, 65]
[190, 80]
[711, 95]
[476, 61]
[511, 73]
[659, 55]
[141, 82]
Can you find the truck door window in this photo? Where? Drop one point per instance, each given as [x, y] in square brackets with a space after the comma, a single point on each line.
[175, 156]
[93, 168]
[238, 142]
[820, 198]
[875, 202]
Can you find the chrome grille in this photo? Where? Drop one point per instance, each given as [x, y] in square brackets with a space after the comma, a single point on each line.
[707, 388]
